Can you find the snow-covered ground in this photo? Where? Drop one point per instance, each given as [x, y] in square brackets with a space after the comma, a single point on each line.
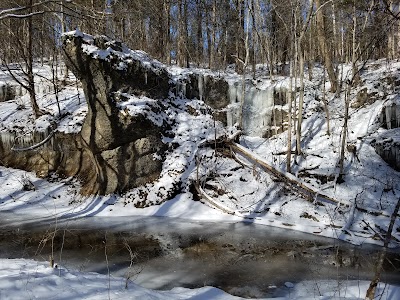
[22, 279]
[371, 189]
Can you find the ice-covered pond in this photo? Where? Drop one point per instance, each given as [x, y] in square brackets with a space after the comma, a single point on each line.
[161, 253]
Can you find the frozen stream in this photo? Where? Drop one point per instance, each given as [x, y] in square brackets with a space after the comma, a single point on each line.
[241, 258]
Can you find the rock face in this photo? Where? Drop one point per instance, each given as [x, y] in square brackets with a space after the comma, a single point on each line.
[387, 144]
[7, 92]
[122, 147]
[10, 90]
[388, 147]
[63, 154]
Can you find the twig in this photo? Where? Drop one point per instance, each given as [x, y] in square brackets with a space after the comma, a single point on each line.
[108, 268]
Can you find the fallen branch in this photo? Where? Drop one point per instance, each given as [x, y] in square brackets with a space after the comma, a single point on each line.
[287, 178]
[36, 145]
[211, 201]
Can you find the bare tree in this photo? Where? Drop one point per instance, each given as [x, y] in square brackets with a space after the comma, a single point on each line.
[300, 55]
[24, 48]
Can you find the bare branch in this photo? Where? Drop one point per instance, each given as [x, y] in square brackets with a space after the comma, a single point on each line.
[36, 145]
[22, 16]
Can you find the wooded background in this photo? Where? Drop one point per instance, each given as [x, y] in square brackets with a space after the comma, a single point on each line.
[281, 35]
[210, 33]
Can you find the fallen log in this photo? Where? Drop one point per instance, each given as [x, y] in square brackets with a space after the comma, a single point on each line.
[287, 178]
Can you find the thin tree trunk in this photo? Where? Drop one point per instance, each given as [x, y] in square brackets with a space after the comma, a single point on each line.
[29, 65]
[335, 52]
[300, 56]
[239, 34]
[289, 130]
[354, 41]
[326, 108]
[292, 66]
[208, 37]
[344, 133]
[301, 103]
[199, 33]
[379, 264]
[181, 39]
[253, 32]
[167, 8]
[213, 35]
[64, 29]
[391, 42]
[245, 63]
[342, 51]
[325, 53]
[185, 34]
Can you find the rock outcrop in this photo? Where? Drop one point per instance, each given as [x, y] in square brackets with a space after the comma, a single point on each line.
[7, 92]
[120, 145]
[124, 148]
[387, 143]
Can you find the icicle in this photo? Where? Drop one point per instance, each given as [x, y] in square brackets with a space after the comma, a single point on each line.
[184, 89]
[205, 79]
[145, 77]
[388, 117]
[397, 116]
[232, 93]
[231, 111]
[200, 81]
[7, 140]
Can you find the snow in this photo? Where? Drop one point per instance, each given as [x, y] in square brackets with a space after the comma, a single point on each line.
[134, 106]
[29, 279]
[120, 51]
[371, 188]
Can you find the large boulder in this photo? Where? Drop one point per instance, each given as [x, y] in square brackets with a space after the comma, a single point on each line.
[124, 147]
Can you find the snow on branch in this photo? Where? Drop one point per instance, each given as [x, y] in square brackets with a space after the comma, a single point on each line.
[18, 12]
[22, 16]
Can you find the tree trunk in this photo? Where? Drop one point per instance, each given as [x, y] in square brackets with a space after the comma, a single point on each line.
[245, 63]
[253, 39]
[29, 66]
[185, 34]
[391, 40]
[167, 8]
[333, 14]
[301, 103]
[208, 38]
[213, 35]
[239, 35]
[326, 108]
[344, 133]
[180, 59]
[325, 53]
[289, 130]
[300, 54]
[199, 34]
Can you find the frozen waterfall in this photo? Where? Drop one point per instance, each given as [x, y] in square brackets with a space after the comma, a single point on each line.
[261, 116]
